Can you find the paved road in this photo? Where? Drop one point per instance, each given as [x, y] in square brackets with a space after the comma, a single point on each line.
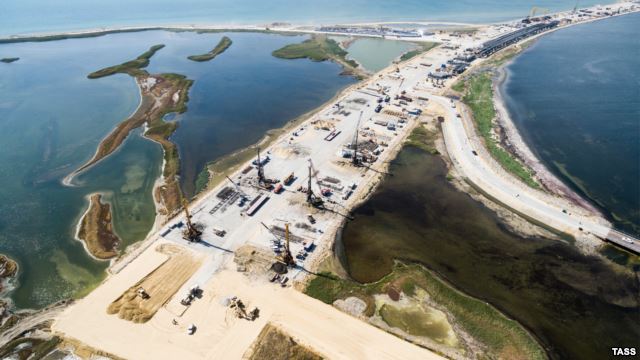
[528, 202]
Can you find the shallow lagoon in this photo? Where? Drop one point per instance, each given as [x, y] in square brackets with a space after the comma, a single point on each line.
[52, 118]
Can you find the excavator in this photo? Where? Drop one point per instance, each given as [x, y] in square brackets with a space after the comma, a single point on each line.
[241, 310]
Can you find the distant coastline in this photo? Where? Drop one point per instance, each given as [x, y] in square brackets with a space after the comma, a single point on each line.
[63, 35]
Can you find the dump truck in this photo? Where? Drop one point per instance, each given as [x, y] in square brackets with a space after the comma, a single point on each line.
[289, 179]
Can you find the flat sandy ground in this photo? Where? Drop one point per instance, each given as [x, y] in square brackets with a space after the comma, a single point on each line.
[220, 335]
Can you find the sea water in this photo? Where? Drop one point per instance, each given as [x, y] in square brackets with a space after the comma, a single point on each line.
[29, 16]
[575, 97]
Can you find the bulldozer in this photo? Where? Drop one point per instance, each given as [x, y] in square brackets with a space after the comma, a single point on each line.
[241, 311]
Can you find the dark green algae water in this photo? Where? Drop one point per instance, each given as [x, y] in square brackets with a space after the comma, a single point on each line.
[577, 306]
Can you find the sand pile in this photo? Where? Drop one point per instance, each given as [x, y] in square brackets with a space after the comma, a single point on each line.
[160, 285]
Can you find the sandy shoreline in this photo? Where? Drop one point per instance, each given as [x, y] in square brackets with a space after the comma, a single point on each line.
[521, 149]
[76, 233]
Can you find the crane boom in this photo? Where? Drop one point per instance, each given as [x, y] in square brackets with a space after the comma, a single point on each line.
[312, 198]
[287, 258]
[242, 193]
[260, 169]
[191, 233]
[355, 142]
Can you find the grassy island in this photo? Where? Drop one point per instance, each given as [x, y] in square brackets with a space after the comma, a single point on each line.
[319, 48]
[161, 94]
[96, 229]
[131, 67]
[9, 59]
[222, 46]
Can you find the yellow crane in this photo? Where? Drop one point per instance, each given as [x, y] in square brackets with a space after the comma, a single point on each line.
[285, 258]
[537, 11]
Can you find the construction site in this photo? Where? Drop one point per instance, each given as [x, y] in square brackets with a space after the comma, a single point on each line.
[267, 226]
[214, 277]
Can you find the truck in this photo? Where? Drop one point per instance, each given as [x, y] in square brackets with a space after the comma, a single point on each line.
[289, 179]
[219, 232]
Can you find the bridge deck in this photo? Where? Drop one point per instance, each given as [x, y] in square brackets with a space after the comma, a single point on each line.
[624, 240]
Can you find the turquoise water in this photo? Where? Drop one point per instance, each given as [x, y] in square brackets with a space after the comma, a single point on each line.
[52, 118]
[575, 97]
[51, 121]
[27, 16]
[376, 54]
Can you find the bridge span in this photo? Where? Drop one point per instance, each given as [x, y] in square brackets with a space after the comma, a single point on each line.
[624, 240]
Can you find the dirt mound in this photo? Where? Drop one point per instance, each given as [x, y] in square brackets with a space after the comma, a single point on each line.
[275, 344]
[160, 285]
[253, 260]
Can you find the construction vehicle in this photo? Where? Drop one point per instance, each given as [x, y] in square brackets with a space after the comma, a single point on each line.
[241, 311]
[311, 219]
[191, 295]
[142, 293]
[289, 179]
[313, 199]
[191, 233]
[219, 232]
[275, 277]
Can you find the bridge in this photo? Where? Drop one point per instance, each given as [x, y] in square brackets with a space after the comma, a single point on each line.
[623, 240]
